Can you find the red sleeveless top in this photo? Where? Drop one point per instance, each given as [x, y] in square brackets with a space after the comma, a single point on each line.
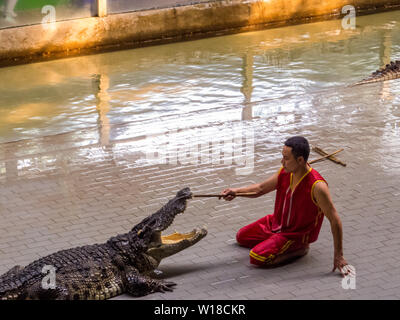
[296, 215]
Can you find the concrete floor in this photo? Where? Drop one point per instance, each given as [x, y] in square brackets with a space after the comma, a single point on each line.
[67, 190]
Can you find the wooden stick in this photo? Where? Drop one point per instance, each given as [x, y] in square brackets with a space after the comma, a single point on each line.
[326, 156]
[218, 195]
[316, 149]
[332, 158]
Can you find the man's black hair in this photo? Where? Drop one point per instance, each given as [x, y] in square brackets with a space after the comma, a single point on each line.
[300, 147]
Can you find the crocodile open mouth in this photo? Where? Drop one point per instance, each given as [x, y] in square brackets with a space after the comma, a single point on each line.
[178, 237]
[164, 246]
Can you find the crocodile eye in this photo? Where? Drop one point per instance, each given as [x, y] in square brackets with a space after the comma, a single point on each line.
[140, 233]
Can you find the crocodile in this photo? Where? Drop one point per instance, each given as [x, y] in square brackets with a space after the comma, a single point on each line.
[123, 264]
[390, 72]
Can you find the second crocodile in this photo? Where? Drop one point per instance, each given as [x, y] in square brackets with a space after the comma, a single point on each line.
[390, 72]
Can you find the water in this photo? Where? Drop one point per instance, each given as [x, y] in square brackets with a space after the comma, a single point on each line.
[264, 74]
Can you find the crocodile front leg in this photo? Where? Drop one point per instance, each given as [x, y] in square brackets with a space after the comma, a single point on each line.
[139, 285]
[37, 292]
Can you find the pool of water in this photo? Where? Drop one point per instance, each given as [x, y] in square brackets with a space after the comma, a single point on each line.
[285, 74]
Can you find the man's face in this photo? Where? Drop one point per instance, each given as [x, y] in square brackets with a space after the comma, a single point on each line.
[289, 162]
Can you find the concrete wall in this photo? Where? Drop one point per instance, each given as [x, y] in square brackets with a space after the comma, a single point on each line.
[128, 30]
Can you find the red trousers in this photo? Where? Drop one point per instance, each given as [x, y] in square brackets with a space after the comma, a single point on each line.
[265, 245]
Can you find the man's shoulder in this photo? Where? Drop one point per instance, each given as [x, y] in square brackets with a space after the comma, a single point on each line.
[282, 172]
[318, 182]
[317, 176]
[320, 186]
[283, 175]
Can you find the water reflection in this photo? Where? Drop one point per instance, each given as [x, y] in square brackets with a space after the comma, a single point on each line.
[101, 84]
[247, 87]
[385, 55]
[285, 76]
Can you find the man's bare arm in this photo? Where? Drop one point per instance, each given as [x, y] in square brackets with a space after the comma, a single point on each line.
[323, 198]
[258, 188]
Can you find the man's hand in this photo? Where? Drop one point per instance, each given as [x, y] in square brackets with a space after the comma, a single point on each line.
[258, 189]
[340, 263]
[228, 194]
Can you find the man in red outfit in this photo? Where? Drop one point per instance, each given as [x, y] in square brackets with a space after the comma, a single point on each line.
[302, 200]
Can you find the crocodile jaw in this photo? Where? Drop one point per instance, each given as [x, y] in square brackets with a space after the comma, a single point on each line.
[175, 242]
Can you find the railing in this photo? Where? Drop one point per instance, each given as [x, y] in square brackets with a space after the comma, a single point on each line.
[14, 13]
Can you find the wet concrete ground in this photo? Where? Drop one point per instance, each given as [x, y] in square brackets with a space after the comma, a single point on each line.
[67, 190]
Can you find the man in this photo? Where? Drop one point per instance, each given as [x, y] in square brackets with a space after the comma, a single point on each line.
[302, 200]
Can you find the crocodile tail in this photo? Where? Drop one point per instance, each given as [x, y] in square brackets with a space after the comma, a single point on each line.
[390, 72]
